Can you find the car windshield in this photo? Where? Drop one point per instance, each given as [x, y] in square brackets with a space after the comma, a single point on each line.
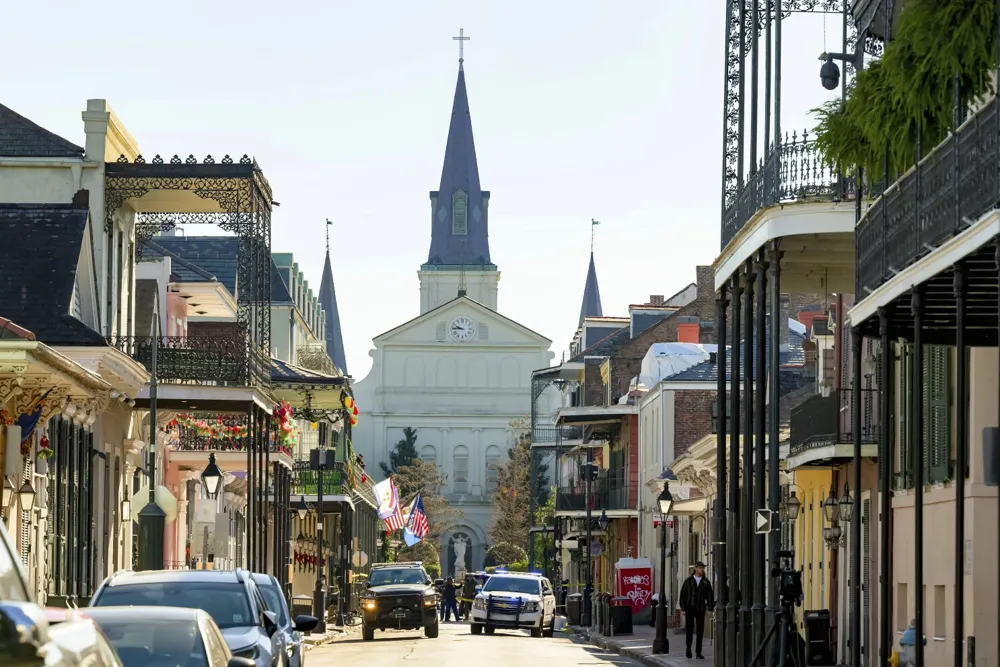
[275, 602]
[511, 585]
[384, 576]
[226, 603]
[155, 642]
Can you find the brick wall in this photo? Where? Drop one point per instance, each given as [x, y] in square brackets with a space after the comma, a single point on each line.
[593, 385]
[692, 418]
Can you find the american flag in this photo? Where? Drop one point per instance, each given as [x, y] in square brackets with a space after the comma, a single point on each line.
[395, 521]
[417, 522]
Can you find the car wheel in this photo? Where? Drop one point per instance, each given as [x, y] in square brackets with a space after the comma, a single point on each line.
[477, 628]
[551, 630]
[431, 631]
[537, 632]
[367, 634]
[489, 629]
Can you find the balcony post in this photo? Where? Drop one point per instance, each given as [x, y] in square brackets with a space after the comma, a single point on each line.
[747, 536]
[857, 343]
[733, 558]
[885, 457]
[760, 381]
[774, 448]
[917, 447]
[721, 573]
[961, 455]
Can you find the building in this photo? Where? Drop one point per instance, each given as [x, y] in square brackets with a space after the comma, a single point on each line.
[458, 373]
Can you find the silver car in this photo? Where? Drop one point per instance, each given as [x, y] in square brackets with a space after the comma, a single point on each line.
[289, 631]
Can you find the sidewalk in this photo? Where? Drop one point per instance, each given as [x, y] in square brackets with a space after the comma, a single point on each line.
[639, 646]
[333, 634]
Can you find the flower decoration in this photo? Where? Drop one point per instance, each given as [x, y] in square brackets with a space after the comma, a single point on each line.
[216, 429]
[44, 451]
[286, 431]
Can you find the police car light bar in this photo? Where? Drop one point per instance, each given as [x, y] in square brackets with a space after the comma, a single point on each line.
[500, 570]
[535, 573]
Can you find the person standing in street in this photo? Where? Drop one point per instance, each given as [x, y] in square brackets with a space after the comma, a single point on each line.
[696, 598]
[450, 600]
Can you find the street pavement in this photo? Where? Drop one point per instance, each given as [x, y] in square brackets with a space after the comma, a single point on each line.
[457, 647]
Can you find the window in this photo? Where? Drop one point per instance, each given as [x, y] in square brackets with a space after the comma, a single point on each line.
[461, 484]
[938, 384]
[460, 214]
[492, 465]
[428, 454]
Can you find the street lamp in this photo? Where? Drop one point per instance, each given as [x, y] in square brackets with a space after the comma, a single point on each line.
[846, 505]
[792, 507]
[27, 496]
[8, 493]
[211, 477]
[830, 507]
[302, 509]
[603, 521]
[665, 503]
[126, 511]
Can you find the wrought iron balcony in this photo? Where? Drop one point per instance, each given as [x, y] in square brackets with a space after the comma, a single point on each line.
[607, 493]
[793, 172]
[305, 481]
[216, 360]
[821, 421]
[957, 181]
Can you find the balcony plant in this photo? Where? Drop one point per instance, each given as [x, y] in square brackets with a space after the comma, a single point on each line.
[911, 87]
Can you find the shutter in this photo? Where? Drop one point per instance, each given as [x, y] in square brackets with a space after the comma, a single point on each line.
[937, 452]
[904, 477]
[865, 577]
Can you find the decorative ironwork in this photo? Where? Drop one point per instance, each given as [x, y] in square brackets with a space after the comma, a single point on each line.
[820, 421]
[793, 171]
[191, 440]
[891, 236]
[198, 359]
[305, 481]
[607, 494]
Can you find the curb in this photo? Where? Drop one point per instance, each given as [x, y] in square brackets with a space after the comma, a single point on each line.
[601, 642]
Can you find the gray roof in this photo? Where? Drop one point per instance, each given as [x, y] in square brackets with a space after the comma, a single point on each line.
[19, 137]
[460, 172]
[328, 301]
[591, 306]
[792, 357]
[40, 259]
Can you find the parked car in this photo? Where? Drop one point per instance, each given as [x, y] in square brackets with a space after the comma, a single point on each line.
[289, 632]
[513, 600]
[26, 638]
[165, 637]
[79, 639]
[399, 595]
[230, 597]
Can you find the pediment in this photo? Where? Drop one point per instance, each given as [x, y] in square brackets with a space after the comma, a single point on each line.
[490, 328]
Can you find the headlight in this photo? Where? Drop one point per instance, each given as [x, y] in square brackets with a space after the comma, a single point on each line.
[252, 652]
[531, 605]
[370, 604]
[479, 603]
[430, 601]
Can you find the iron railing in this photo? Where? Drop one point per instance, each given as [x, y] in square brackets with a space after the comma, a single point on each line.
[218, 360]
[305, 481]
[957, 182]
[820, 420]
[607, 493]
[793, 171]
[552, 435]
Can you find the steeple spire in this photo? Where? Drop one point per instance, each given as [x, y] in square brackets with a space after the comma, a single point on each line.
[459, 231]
[591, 306]
[328, 301]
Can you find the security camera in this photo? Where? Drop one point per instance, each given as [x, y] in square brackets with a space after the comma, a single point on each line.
[829, 74]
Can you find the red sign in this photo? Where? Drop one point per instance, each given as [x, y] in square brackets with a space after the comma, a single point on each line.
[635, 583]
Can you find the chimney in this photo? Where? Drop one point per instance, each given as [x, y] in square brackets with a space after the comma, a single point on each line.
[81, 199]
[689, 332]
[713, 357]
[656, 299]
[95, 126]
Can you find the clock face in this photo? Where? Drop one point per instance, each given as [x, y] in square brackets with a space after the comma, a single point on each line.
[463, 328]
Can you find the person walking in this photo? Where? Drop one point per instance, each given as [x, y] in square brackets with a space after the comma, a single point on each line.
[450, 600]
[696, 598]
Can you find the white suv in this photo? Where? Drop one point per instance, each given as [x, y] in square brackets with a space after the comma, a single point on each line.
[513, 600]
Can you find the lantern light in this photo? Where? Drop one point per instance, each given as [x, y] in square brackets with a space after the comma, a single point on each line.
[27, 496]
[211, 476]
[665, 501]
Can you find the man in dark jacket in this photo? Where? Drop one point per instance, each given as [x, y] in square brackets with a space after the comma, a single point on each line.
[468, 595]
[450, 600]
[697, 597]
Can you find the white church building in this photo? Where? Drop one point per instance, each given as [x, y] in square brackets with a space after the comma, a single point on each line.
[460, 372]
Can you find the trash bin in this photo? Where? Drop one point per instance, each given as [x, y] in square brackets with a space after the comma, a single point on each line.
[574, 608]
[302, 605]
[819, 640]
[620, 615]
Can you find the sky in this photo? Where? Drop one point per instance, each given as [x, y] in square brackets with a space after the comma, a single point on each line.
[585, 109]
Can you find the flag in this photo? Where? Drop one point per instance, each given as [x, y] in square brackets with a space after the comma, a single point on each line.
[394, 521]
[594, 222]
[416, 523]
[387, 497]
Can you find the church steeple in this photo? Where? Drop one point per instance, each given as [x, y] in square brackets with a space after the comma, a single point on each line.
[328, 301]
[591, 306]
[460, 208]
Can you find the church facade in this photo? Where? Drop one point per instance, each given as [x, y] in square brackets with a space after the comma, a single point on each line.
[460, 372]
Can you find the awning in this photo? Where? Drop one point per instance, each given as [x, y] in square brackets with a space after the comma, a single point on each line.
[691, 507]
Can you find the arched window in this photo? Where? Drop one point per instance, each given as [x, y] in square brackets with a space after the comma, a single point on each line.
[461, 470]
[492, 465]
[428, 454]
[460, 214]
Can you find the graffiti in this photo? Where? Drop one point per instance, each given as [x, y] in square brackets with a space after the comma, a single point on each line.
[635, 580]
[635, 584]
[640, 597]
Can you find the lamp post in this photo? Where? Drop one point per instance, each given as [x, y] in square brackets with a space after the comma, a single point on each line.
[589, 472]
[211, 476]
[8, 494]
[318, 462]
[665, 502]
[152, 519]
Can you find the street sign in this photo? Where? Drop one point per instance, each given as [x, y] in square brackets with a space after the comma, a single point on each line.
[762, 522]
[360, 559]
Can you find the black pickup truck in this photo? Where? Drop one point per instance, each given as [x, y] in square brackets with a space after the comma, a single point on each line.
[400, 596]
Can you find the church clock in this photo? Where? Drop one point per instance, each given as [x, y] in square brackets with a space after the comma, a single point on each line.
[463, 329]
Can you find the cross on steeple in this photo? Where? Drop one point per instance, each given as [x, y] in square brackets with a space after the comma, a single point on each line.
[461, 39]
[329, 223]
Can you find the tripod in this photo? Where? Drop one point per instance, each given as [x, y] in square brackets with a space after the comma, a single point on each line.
[783, 624]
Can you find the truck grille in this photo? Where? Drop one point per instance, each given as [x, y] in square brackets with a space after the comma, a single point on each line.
[505, 605]
[409, 602]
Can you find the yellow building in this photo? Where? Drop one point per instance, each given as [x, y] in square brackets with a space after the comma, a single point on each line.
[811, 487]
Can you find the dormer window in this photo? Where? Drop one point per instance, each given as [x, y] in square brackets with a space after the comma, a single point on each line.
[460, 214]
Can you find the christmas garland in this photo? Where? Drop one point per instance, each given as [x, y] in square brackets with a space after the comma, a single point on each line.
[287, 432]
[217, 430]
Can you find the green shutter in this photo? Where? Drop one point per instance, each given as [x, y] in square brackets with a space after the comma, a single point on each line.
[904, 478]
[938, 381]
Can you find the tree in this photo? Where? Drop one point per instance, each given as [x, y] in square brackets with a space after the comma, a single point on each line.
[511, 499]
[426, 478]
[385, 554]
[403, 454]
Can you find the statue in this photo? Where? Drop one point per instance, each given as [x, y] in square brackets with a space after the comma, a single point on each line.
[460, 544]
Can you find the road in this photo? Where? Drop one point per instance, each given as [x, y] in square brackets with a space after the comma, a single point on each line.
[457, 647]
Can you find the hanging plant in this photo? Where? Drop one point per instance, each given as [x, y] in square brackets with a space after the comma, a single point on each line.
[44, 451]
[911, 87]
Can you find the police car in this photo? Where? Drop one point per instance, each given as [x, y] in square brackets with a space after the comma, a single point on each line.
[510, 600]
